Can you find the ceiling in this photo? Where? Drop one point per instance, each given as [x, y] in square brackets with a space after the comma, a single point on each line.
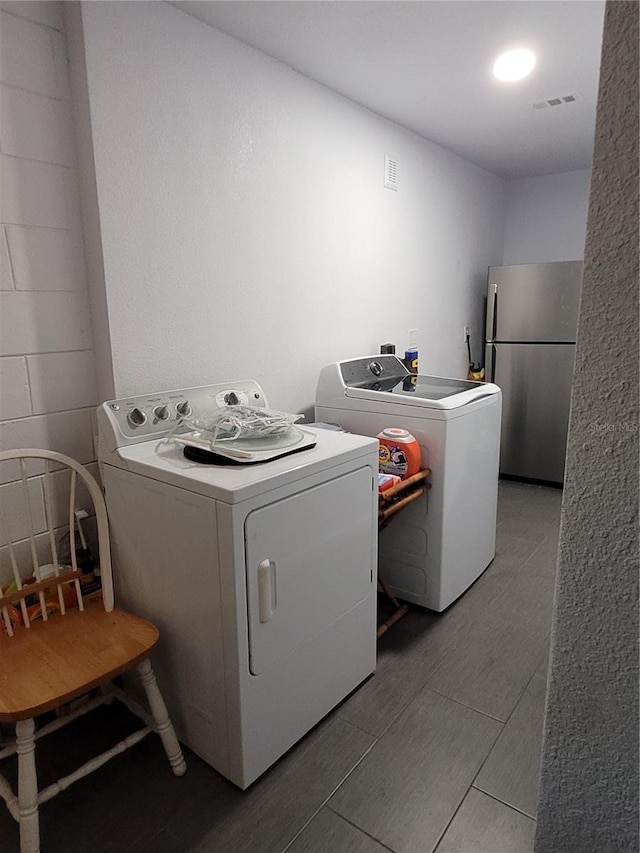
[427, 64]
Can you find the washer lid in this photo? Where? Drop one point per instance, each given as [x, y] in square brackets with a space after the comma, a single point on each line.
[430, 392]
[384, 378]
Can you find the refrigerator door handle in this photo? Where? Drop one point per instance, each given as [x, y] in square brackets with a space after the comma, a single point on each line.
[492, 372]
[492, 311]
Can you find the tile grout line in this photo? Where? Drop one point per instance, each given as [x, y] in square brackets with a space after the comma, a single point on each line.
[557, 539]
[434, 849]
[29, 227]
[356, 726]
[52, 411]
[16, 88]
[504, 803]
[30, 20]
[403, 709]
[469, 707]
[333, 791]
[47, 352]
[535, 542]
[392, 721]
[39, 476]
[464, 796]
[46, 414]
[486, 758]
[12, 272]
[504, 723]
[442, 834]
[44, 290]
[42, 163]
[424, 685]
[360, 829]
[28, 372]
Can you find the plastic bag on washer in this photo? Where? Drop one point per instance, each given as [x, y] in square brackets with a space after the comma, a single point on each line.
[230, 424]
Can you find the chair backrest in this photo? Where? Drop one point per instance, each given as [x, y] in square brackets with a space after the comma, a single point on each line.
[29, 523]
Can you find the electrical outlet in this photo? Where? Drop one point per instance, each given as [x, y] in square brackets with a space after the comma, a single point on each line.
[467, 334]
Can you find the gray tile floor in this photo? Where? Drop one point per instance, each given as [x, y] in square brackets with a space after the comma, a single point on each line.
[439, 751]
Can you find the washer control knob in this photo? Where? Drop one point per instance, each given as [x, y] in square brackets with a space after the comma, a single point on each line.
[376, 368]
[231, 399]
[183, 409]
[161, 412]
[136, 417]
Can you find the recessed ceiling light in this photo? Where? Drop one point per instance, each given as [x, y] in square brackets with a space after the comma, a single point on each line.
[514, 65]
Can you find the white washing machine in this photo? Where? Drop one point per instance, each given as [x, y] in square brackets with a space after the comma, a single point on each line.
[260, 577]
[437, 546]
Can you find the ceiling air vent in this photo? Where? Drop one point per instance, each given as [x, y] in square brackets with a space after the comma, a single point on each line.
[555, 102]
[390, 172]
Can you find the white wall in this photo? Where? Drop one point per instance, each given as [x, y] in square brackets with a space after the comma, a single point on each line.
[546, 218]
[47, 376]
[245, 229]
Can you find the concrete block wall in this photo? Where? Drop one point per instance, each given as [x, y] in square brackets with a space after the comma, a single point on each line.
[47, 373]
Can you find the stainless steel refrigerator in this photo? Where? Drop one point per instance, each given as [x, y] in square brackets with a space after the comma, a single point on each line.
[532, 318]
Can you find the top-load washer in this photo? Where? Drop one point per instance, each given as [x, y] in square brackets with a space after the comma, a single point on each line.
[438, 545]
[260, 577]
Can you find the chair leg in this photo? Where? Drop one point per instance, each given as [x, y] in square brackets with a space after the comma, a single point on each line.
[161, 718]
[27, 787]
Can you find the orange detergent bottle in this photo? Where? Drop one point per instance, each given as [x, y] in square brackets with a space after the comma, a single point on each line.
[399, 453]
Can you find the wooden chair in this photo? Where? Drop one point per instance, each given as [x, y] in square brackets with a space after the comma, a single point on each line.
[62, 648]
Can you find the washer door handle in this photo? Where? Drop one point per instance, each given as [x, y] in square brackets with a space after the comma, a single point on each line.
[266, 590]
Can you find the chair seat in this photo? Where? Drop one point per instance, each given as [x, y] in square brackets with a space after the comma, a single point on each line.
[52, 662]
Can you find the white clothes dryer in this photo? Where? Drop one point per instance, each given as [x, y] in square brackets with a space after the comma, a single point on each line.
[260, 577]
[439, 545]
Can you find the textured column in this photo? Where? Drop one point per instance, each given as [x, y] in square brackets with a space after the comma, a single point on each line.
[589, 781]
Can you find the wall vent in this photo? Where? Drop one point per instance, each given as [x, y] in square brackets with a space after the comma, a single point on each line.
[555, 102]
[390, 172]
